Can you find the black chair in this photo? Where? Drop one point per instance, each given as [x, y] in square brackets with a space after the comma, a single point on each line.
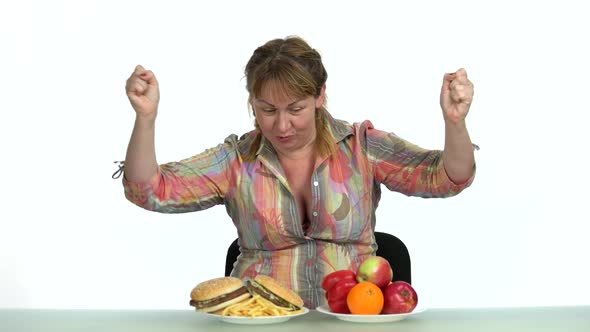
[389, 247]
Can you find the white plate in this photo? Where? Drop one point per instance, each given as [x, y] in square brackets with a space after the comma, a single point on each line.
[257, 320]
[369, 318]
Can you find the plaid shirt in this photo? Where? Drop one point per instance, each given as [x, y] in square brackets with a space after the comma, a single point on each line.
[345, 194]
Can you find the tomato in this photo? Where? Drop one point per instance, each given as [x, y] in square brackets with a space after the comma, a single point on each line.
[331, 279]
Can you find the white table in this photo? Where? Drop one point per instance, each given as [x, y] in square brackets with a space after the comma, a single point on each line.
[566, 319]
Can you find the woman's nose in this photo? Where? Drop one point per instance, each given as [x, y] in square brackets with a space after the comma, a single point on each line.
[283, 121]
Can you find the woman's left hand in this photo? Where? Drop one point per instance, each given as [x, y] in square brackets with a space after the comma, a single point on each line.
[456, 96]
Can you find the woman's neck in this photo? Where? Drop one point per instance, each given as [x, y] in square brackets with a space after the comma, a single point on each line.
[305, 153]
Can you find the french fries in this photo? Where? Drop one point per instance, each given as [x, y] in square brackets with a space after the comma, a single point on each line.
[256, 306]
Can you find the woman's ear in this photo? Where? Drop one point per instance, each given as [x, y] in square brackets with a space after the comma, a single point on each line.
[319, 101]
[251, 106]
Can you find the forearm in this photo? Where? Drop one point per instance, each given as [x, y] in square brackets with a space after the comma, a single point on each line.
[140, 162]
[458, 155]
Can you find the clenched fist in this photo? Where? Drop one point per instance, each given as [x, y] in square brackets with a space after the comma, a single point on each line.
[456, 96]
[143, 92]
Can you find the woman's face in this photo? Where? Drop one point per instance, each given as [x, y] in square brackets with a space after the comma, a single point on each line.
[287, 122]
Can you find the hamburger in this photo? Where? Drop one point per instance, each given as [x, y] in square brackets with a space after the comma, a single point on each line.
[272, 291]
[215, 294]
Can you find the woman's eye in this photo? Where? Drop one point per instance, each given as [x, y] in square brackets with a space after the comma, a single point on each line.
[297, 109]
[268, 110]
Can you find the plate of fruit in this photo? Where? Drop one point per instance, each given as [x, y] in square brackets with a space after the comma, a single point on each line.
[369, 295]
[380, 318]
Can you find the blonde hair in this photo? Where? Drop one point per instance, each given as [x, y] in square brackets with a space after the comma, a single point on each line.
[296, 70]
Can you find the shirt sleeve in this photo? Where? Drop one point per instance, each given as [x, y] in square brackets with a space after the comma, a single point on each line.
[407, 168]
[192, 184]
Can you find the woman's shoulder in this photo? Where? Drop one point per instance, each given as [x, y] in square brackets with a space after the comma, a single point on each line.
[242, 143]
[353, 130]
[342, 128]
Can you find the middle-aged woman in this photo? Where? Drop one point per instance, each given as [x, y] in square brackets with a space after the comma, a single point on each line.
[302, 187]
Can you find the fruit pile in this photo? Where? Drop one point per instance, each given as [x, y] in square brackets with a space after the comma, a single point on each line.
[369, 291]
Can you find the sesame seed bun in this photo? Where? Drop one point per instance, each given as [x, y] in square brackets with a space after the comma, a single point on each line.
[215, 294]
[279, 290]
[215, 287]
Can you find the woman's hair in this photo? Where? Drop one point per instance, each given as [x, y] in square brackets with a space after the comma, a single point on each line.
[294, 69]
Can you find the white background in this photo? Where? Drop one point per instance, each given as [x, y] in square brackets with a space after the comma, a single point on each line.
[69, 238]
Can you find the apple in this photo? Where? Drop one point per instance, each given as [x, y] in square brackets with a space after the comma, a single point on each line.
[399, 298]
[375, 269]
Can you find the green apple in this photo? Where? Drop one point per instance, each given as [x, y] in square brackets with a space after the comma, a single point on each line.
[375, 269]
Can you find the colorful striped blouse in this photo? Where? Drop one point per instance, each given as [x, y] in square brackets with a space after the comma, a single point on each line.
[345, 194]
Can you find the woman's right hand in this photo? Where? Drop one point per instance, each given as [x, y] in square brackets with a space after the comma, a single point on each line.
[143, 92]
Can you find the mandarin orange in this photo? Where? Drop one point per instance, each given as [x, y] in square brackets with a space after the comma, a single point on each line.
[365, 298]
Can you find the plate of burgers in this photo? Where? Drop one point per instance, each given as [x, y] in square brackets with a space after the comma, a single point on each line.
[258, 300]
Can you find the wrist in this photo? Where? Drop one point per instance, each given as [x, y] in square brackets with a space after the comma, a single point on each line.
[145, 121]
[455, 125]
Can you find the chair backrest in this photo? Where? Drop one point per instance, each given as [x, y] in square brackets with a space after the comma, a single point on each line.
[395, 251]
[232, 256]
[389, 247]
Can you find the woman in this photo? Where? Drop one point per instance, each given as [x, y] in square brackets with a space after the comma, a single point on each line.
[302, 187]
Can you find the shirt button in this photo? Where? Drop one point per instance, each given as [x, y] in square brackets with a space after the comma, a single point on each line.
[315, 214]
[315, 183]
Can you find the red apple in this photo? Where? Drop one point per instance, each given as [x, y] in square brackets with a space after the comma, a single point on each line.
[375, 269]
[399, 297]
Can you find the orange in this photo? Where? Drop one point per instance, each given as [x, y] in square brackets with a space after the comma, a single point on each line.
[365, 298]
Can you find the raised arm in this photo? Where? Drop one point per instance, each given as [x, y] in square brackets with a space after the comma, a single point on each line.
[144, 94]
[455, 100]
[409, 169]
[192, 184]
